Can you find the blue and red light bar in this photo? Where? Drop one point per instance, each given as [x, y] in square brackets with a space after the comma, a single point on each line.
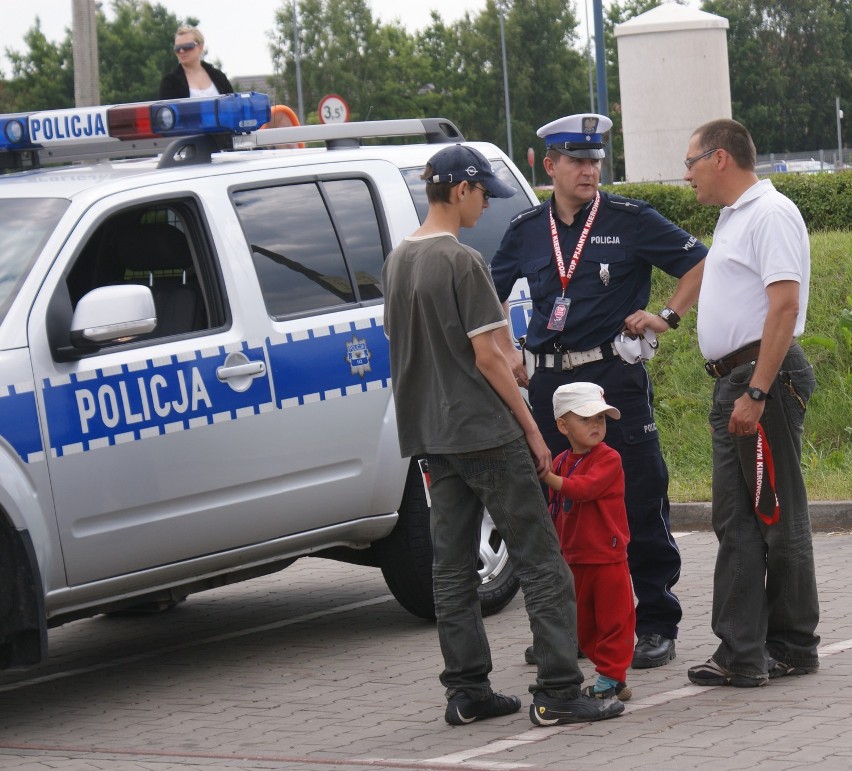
[232, 113]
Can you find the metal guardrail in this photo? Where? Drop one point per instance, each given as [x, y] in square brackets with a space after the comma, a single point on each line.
[807, 161]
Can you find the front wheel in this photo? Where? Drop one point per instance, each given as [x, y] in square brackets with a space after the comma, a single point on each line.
[405, 557]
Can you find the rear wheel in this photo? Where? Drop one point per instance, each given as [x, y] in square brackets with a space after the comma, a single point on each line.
[405, 557]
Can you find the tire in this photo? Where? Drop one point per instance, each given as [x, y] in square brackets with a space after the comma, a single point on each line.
[405, 557]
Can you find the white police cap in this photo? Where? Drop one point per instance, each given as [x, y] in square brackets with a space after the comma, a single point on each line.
[580, 136]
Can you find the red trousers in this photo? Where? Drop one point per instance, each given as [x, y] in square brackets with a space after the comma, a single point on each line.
[606, 616]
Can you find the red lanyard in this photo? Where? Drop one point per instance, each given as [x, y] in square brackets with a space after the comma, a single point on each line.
[764, 462]
[565, 275]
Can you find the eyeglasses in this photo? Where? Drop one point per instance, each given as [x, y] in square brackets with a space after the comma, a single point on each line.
[485, 193]
[690, 161]
[185, 47]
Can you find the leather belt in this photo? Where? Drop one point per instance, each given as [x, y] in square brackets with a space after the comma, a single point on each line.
[726, 365]
[568, 360]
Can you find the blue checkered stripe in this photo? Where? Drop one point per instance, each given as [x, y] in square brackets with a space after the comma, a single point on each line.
[148, 398]
[520, 313]
[329, 362]
[19, 421]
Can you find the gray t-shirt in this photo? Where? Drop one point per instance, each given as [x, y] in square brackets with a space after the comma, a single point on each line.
[438, 295]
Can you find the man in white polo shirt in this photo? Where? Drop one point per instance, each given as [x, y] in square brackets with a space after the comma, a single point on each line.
[751, 309]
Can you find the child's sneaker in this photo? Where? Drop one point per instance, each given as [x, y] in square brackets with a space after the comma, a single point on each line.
[463, 709]
[620, 691]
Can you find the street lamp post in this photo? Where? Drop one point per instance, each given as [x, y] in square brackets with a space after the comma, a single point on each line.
[297, 53]
[839, 136]
[506, 87]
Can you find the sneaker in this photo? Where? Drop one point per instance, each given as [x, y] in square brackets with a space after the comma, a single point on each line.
[547, 710]
[713, 673]
[652, 650]
[620, 691]
[463, 709]
[780, 669]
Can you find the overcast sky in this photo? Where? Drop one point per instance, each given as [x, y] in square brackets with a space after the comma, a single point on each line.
[234, 30]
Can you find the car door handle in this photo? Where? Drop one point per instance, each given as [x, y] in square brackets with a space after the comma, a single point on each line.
[249, 369]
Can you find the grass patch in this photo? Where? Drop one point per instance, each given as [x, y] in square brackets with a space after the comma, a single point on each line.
[683, 391]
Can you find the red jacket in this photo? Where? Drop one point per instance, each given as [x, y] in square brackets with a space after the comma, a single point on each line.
[594, 530]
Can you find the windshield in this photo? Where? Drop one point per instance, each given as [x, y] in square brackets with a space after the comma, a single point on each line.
[25, 225]
[488, 233]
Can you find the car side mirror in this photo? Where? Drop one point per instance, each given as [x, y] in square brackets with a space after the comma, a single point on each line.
[112, 314]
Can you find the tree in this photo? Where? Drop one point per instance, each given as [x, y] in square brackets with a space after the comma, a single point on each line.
[135, 50]
[788, 61]
[42, 79]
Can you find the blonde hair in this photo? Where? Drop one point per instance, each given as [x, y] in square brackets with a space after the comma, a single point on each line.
[194, 31]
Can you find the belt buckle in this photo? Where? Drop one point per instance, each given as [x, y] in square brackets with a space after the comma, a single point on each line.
[712, 368]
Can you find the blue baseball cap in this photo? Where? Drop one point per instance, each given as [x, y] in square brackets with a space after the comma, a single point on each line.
[580, 136]
[459, 163]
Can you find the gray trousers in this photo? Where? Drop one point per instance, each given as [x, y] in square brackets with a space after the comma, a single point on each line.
[764, 589]
[503, 479]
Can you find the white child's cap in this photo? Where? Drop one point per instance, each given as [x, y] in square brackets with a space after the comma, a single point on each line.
[584, 399]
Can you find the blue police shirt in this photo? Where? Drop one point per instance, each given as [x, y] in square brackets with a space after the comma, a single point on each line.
[612, 279]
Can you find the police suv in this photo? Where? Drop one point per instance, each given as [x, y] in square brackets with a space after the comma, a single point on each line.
[194, 379]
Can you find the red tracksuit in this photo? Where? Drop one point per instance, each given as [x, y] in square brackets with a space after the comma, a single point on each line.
[594, 534]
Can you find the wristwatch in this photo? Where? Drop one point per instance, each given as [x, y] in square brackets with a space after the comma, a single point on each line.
[670, 316]
[756, 394]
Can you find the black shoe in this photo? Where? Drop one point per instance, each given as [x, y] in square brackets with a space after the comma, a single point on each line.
[463, 709]
[713, 673]
[780, 669]
[529, 655]
[546, 710]
[652, 650]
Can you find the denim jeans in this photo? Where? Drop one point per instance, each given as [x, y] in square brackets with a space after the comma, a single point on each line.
[504, 480]
[764, 590]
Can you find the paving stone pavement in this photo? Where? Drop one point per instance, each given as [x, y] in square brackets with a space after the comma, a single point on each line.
[318, 668]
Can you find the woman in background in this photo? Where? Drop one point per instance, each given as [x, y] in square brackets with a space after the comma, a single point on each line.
[192, 77]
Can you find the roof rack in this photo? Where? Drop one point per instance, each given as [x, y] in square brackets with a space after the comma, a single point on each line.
[342, 135]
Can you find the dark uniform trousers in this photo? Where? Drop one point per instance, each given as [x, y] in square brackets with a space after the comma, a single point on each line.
[652, 554]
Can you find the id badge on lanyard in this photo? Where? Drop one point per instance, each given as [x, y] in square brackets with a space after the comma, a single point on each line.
[559, 314]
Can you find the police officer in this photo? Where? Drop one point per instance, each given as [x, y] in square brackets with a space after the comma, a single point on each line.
[587, 257]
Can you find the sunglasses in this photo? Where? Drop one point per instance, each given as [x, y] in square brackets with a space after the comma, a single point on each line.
[185, 47]
[485, 193]
[690, 161]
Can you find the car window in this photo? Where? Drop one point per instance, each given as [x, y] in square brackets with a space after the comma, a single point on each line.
[315, 245]
[25, 225]
[488, 233]
[160, 246]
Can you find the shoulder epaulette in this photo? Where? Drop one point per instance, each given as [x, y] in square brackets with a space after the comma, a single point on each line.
[620, 203]
[527, 214]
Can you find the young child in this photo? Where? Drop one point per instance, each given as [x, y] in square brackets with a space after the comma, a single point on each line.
[587, 504]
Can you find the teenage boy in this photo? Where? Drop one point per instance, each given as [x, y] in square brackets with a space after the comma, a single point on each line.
[457, 405]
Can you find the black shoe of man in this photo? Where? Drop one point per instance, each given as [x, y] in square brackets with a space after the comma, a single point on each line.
[652, 650]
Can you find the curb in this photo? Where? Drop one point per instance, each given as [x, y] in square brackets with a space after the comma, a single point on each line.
[826, 516]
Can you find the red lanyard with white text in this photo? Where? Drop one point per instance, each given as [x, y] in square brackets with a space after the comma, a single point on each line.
[765, 463]
[560, 307]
